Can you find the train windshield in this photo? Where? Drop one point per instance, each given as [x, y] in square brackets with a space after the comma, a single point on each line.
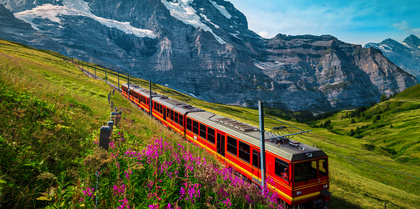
[309, 170]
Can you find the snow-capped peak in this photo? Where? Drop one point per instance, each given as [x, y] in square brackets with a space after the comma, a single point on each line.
[183, 11]
[221, 9]
[78, 8]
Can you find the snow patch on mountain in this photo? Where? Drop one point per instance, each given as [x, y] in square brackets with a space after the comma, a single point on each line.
[208, 20]
[222, 9]
[183, 11]
[385, 48]
[406, 45]
[78, 8]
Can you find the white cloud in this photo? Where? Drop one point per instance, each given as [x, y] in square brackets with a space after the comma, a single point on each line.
[264, 34]
[405, 26]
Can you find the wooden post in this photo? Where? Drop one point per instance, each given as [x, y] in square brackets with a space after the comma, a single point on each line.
[113, 116]
[118, 75]
[111, 125]
[104, 137]
[118, 119]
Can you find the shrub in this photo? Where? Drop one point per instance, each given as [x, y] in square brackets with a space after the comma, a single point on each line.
[369, 147]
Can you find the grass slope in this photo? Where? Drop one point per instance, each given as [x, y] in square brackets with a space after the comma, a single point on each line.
[360, 178]
[390, 128]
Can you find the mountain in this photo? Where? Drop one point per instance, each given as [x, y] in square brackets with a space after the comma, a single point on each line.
[204, 48]
[405, 55]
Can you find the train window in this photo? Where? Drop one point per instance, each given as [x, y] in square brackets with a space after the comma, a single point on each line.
[244, 151]
[255, 159]
[181, 120]
[232, 146]
[168, 113]
[195, 127]
[282, 169]
[203, 131]
[176, 117]
[323, 167]
[210, 135]
[305, 171]
[189, 124]
[173, 115]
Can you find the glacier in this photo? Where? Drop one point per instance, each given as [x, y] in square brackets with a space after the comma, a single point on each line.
[78, 8]
[183, 11]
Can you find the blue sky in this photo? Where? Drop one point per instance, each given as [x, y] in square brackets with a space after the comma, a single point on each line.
[355, 21]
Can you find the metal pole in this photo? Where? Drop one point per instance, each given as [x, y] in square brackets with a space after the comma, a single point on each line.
[150, 98]
[262, 143]
[128, 86]
[118, 75]
[105, 76]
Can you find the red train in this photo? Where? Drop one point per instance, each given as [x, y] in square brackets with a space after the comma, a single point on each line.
[300, 171]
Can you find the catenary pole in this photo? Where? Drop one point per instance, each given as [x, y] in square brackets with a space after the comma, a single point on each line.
[262, 142]
[128, 86]
[150, 98]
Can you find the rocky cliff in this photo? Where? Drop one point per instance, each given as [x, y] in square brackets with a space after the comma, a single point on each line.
[204, 48]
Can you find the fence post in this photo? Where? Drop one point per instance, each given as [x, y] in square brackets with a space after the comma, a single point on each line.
[118, 119]
[104, 137]
[113, 114]
[111, 125]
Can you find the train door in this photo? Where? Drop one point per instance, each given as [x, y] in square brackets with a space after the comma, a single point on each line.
[164, 113]
[221, 143]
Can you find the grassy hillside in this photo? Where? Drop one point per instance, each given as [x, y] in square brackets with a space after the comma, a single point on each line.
[389, 128]
[76, 106]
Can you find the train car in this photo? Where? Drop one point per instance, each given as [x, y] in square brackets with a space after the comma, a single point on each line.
[299, 171]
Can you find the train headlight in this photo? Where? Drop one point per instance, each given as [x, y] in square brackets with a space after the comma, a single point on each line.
[298, 192]
[325, 186]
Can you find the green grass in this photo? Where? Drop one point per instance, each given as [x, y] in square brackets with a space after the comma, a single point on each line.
[358, 176]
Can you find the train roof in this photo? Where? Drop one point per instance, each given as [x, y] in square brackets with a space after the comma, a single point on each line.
[278, 145]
